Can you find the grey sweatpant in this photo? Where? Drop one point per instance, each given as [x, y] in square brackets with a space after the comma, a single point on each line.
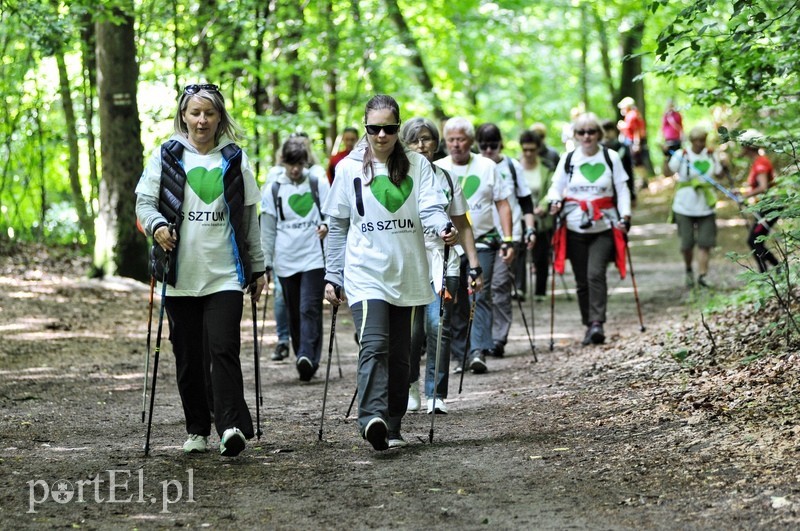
[384, 333]
[502, 312]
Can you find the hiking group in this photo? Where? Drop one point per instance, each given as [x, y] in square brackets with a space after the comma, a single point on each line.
[429, 239]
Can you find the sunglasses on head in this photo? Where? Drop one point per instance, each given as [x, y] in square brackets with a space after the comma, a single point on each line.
[389, 129]
[488, 145]
[581, 132]
[194, 89]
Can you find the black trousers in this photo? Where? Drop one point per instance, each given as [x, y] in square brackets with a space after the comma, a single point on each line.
[590, 255]
[209, 326]
[303, 293]
[764, 258]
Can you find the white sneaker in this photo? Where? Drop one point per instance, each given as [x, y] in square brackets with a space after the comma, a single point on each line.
[441, 409]
[232, 442]
[195, 444]
[397, 441]
[413, 397]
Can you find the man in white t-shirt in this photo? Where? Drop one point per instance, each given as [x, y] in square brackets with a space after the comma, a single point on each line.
[485, 190]
[490, 144]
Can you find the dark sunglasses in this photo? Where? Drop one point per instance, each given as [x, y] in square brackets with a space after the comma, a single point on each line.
[194, 89]
[488, 145]
[389, 129]
[581, 132]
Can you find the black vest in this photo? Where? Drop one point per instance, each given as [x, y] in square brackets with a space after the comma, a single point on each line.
[170, 204]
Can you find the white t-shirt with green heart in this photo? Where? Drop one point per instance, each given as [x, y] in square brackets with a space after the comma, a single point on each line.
[385, 256]
[433, 243]
[482, 185]
[688, 165]
[520, 188]
[205, 258]
[591, 179]
[297, 246]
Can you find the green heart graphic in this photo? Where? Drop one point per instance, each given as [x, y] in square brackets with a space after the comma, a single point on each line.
[702, 166]
[470, 185]
[390, 196]
[592, 172]
[207, 184]
[301, 203]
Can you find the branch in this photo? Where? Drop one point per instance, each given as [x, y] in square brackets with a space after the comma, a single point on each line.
[710, 336]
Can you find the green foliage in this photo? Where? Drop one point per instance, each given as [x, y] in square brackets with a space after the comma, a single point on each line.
[512, 62]
[746, 51]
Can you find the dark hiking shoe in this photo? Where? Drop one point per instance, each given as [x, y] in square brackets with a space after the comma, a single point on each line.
[596, 333]
[702, 282]
[477, 362]
[498, 351]
[305, 368]
[232, 442]
[376, 432]
[281, 352]
[587, 339]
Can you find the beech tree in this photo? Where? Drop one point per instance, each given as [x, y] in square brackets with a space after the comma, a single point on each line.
[120, 248]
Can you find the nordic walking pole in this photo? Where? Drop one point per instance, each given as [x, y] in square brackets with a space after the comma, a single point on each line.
[553, 289]
[633, 275]
[442, 296]
[257, 368]
[338, 359]
[633, 280]
[524, 319]
[157, 350]
[147, 354]
[328, 368]
[469, 331]
[531, 288]
[264, 316]
[335, 339]
[352, 401]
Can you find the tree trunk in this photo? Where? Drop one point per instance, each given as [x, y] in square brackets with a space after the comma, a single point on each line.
[632, 67]
[89, 60]
[120, 248]
[584, 53]
[605, 60]
[331, 83]
[85, 221]
[259, 91]
[418, 64]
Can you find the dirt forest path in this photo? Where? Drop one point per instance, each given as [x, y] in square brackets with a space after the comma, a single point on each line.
[602, 437]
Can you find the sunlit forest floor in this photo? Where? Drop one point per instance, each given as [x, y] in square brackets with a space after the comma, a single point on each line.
[668, 428]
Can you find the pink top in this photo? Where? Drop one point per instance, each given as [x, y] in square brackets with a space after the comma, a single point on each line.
[672, 126]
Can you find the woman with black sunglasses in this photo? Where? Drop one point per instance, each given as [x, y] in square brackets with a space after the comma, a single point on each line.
[198, 199]
[590, 196]
[381, 203]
